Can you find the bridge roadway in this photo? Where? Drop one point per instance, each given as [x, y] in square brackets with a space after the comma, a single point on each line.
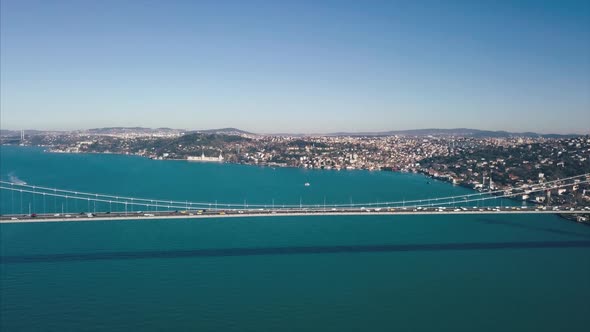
[199, 214]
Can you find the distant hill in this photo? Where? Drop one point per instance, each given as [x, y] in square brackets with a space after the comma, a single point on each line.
[128, 130]
[223, 131]
[463, 132]
[147, 131]
[6, 132]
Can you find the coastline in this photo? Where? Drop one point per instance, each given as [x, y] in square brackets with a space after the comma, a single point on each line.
[421, 172]
[272, 165]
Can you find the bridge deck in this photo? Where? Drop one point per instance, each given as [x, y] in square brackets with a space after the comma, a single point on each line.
[266, 213]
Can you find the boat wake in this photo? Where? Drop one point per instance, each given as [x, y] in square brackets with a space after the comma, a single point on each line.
[14, 179]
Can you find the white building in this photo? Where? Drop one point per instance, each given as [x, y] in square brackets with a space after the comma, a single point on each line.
[202, 158]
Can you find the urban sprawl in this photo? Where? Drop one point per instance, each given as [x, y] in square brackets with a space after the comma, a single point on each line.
[480, 163]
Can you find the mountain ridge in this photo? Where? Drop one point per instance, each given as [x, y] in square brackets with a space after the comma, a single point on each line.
[463, 132]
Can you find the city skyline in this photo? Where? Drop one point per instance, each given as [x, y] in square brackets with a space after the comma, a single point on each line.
[296, 67]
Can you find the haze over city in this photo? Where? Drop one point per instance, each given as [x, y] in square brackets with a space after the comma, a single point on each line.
[296, 66]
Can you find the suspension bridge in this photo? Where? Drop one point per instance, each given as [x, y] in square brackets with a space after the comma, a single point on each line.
[21, 202]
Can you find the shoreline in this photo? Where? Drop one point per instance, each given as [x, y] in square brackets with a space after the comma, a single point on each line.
[423, 173]
[271, 165]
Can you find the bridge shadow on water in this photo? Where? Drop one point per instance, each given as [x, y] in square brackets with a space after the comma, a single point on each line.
[307, 250]
[532, 227]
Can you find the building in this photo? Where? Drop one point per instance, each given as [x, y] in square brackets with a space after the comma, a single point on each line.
[202, 158]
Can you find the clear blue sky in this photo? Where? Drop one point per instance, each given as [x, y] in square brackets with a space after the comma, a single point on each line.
[296, 66]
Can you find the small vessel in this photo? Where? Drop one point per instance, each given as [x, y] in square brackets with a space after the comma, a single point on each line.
[307, 184]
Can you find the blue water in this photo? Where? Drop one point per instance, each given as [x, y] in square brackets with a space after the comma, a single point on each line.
[381, 273]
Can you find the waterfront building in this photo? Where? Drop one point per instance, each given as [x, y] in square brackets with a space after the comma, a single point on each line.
[202, 158]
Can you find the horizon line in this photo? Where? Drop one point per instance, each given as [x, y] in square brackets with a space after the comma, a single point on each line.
[339, 132]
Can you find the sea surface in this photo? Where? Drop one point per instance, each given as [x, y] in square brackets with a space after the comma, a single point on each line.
[317, 273]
